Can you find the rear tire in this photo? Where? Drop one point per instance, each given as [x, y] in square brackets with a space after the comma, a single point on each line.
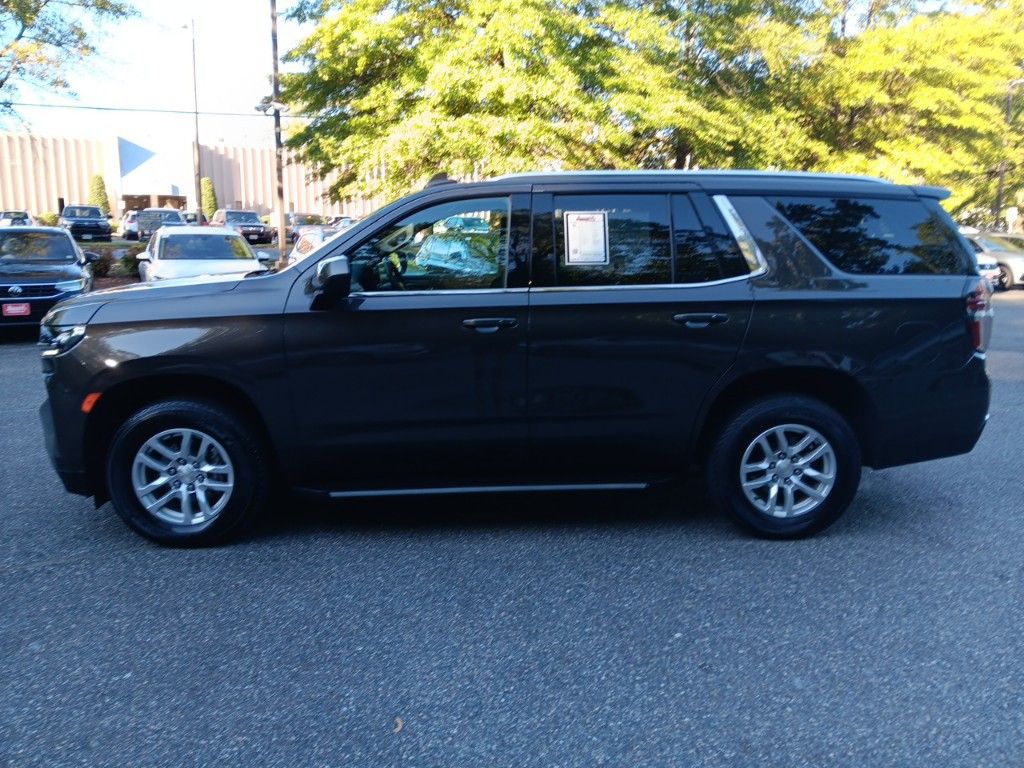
[197, 466]
[784, 467]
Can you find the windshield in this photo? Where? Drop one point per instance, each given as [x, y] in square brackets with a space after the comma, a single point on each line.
[1010, 243]
[205, 248]
[993, 243]
[170, 216]
[242, 217]
[300, 219]
[82, 212]
[35, 246]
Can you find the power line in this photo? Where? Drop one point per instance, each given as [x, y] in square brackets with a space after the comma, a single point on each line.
[154, 110]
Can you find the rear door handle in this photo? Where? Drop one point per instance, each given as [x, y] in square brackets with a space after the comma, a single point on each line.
[700, 319]
[489, 324]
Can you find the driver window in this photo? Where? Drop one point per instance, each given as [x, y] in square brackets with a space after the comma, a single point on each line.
[454, 246]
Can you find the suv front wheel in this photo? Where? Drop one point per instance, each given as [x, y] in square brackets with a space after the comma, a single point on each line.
[785, 466]
[187, 473]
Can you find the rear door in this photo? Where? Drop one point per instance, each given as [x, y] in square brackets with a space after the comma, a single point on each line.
[639, 302]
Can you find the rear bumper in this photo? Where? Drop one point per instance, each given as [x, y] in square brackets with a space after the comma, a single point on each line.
[931, 416]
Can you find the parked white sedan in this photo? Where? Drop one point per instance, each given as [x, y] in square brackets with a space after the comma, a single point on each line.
[176, 252]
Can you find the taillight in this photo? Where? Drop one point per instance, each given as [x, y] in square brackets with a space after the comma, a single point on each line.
[979, 314]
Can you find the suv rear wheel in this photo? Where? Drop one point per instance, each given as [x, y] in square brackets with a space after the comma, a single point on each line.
[785, 466]
[187, 473]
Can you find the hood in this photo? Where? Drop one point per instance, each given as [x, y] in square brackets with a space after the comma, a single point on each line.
[38, 271]
[195, 268]
[202, 285]
[80, 309]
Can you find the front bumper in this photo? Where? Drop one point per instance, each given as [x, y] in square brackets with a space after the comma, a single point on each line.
[74, 478]
[90, 233]
[38, 307]
[260, 237]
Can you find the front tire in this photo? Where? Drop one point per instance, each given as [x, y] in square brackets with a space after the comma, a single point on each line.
[187, 473]
[785, 467]
[1006, 280]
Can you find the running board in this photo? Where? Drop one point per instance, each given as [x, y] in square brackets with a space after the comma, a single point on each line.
[490, 489]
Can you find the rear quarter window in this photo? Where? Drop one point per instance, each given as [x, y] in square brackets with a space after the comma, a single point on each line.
[878, 236]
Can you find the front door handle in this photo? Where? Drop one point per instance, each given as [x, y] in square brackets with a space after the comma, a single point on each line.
[489, 324]
[700, 319]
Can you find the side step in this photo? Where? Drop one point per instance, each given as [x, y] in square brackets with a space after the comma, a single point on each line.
[488, 489]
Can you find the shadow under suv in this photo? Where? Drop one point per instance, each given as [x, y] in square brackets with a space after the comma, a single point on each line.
[603, 330]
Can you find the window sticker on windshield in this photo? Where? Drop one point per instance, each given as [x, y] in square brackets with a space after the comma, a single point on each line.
[586, 237]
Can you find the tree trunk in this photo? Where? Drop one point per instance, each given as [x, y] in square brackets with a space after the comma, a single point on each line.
[684, 153]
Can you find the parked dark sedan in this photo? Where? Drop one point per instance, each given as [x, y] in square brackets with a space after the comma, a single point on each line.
[39, 266]
[85, 222]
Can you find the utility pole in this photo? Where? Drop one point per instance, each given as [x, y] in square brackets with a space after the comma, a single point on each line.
[282, 257]
[998, 209]
[195, 141]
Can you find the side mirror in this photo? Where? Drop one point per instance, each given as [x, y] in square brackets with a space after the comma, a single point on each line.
[333, 280]
[91, 257]
[265, 257]
[144, 256]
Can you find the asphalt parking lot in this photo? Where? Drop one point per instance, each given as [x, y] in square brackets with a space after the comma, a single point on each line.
[596, 630]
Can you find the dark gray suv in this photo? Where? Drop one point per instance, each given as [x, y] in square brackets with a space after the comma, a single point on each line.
[590, 331]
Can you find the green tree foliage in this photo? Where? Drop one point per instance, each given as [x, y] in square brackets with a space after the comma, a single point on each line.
[209, 193]
[40, 39]
[98, 194]
[399, 90]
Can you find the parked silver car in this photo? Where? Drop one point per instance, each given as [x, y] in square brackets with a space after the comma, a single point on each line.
[1006, 251]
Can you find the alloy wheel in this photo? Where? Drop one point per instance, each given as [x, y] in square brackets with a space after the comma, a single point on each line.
[788, 471]
[183, 476]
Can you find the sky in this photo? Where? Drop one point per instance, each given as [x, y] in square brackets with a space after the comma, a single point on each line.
[146, 62]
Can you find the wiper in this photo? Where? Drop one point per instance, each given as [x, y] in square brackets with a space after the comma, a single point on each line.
[257, 272]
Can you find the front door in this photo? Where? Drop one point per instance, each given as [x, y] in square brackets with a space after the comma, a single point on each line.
[638, 306]
[418, 378]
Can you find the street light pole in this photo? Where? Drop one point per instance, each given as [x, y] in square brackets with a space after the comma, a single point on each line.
[195, 141]
[998, 210]
[282, 258]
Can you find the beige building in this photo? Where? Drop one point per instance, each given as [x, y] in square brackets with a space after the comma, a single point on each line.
[39, 174]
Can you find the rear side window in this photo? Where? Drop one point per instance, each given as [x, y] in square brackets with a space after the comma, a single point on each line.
[612, 239]
[875, 236]
[703, 253]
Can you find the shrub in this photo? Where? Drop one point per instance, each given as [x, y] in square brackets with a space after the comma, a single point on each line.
[209, 194]
[98, 194]
[102, 266]
[48, 219]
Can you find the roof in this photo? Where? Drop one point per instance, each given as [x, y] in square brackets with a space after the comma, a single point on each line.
[194, 229]
[727, 181]
[35, 228]
[550, 176]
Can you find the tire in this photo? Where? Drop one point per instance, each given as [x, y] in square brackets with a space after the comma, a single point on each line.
[738, 445]
[154, 432]
[1006, 281]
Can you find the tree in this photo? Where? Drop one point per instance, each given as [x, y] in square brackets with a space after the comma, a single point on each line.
[40, 39]
[397, 91]
[98, 194]
[209, 193]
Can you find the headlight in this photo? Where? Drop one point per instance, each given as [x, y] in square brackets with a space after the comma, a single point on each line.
[70, 285]
[58, 339]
